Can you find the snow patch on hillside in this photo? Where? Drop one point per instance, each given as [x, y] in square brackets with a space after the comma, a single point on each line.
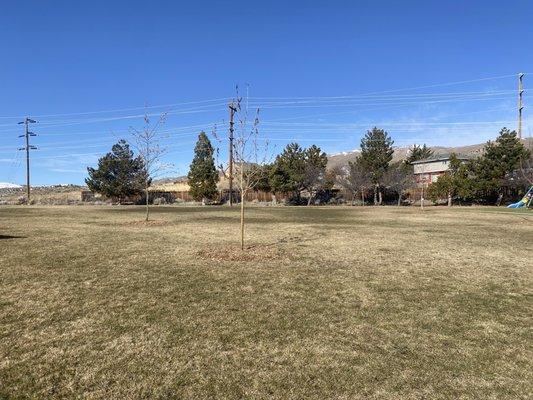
[6, 185]
[345, 153]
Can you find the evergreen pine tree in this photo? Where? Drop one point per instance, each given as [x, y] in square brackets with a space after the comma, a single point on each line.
[501, 157]
[314, 170]
[376, 154]
[203, 176]
[288, 172]
[419, 153]
[119, 174]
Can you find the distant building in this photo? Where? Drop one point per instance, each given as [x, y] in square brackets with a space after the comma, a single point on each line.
[428, 171]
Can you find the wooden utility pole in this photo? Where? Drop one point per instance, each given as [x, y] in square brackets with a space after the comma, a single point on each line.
[520, 104]
[28, 147]
[232, 110]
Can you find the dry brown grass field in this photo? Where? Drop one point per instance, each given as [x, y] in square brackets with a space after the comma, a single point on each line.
[326, 303]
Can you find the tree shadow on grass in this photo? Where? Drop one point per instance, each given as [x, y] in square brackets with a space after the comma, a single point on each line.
[2, 237]
[289, 239]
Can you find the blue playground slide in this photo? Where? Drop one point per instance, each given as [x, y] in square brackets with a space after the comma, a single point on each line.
[525, 202]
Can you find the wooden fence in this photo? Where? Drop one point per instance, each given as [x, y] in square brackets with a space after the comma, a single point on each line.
[221, 197]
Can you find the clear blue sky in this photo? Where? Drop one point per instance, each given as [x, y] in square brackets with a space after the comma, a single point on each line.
[74, 57]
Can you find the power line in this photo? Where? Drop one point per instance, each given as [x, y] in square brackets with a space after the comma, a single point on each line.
[13, 165]
[458, 100]
[72, 122]
[223, 99]
[126, 131]
[121, 109]
[382, 97]
[385, 123]
[302, 127]
[271, 105]
[446, 84]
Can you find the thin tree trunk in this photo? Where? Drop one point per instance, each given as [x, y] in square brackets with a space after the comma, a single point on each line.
[310, 198]
[242, 219]
[399, 199]
[363, 196]
[375, 194]
[449, 199]
[147, 206]
[499, 200]
[380, 196]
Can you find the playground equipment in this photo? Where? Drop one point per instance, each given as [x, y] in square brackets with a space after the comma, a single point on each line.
[525, 202]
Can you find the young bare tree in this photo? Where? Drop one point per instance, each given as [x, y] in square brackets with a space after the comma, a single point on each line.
[249, 153]
[399, 177]
[148, 145]
[355, 178]
[251, 156]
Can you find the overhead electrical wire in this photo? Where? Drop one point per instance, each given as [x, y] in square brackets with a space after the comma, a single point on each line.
[284, 106]
[118, 110]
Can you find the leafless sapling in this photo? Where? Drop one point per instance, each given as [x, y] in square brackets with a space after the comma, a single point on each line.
[250, 152]
[355, 178]
[148, 145]
[399, 178]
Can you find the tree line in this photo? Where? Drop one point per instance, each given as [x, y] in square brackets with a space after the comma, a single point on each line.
[299, 172]
[302, 175]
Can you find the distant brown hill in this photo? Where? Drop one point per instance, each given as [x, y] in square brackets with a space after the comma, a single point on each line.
[401, 153]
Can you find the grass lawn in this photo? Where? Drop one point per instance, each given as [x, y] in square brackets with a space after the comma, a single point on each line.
[328, 303]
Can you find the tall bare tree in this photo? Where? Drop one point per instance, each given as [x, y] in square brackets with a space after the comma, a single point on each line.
[149, 147]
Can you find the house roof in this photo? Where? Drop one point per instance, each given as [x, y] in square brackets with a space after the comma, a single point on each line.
[438, 159]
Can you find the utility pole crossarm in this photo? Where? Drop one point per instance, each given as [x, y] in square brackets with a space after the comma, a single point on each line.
[232, 110]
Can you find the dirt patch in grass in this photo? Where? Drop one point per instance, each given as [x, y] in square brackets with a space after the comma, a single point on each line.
[250, 253]
[155, 222]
